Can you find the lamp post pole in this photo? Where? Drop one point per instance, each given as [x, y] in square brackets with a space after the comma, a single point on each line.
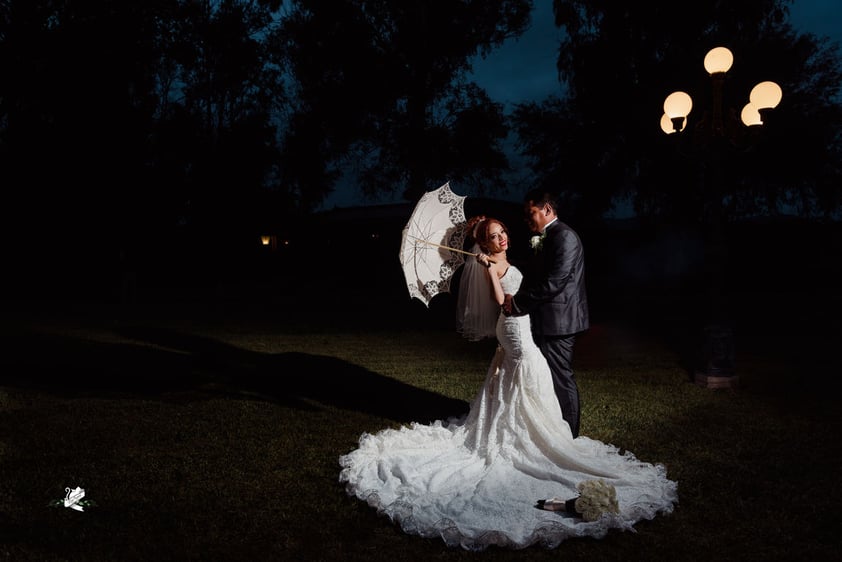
[714, 136]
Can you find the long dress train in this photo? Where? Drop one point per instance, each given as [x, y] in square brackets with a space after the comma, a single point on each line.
[474, 481]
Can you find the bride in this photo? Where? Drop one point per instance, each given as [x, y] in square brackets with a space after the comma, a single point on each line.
[474, 481]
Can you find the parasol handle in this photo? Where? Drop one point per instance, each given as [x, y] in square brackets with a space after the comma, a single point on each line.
[447, 247]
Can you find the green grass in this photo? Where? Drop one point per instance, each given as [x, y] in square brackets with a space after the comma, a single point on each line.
[219, 440]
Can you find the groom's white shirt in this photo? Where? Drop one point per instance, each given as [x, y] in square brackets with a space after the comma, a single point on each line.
[546, 226]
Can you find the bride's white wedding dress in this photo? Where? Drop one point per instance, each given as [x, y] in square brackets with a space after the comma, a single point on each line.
[475, 481]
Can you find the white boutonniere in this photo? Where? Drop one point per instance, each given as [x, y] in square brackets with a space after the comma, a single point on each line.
[537, 241]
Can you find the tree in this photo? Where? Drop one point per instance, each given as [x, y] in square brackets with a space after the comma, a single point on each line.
[221, 91]
[381, 90]
[120, 121]
[619, 61]
[74, 111]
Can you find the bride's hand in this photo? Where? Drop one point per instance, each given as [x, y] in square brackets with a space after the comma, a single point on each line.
[483, 259]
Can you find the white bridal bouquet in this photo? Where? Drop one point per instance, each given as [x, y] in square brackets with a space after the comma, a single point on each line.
[595, 498]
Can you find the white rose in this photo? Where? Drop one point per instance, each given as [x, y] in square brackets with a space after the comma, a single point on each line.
[596, 497]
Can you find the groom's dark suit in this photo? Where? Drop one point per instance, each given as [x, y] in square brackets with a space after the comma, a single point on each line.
[553, 294]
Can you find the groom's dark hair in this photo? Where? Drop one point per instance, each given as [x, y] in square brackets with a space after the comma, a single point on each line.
[540, 197]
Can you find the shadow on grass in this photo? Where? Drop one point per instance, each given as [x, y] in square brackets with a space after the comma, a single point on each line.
[176, 366]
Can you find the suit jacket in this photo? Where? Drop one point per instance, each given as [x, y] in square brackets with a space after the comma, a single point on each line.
[553, 288]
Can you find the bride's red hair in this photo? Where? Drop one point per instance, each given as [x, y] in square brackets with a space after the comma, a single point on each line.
[477, 228]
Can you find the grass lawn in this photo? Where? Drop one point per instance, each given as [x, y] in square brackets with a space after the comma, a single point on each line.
[203, 433]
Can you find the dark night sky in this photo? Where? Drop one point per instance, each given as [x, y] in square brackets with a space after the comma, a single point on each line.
[524, 69]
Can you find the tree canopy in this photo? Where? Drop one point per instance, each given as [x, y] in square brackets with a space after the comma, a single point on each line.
[381, 89]
[128, 122]
[602, 143]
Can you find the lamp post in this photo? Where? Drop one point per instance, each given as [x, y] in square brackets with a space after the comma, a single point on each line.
[715, 134]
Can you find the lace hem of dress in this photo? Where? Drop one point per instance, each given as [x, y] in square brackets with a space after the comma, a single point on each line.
[547, 535]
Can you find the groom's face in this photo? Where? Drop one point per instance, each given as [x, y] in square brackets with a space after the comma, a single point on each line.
[537, 216]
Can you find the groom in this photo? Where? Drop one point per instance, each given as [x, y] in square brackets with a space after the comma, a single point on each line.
[553, 294]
